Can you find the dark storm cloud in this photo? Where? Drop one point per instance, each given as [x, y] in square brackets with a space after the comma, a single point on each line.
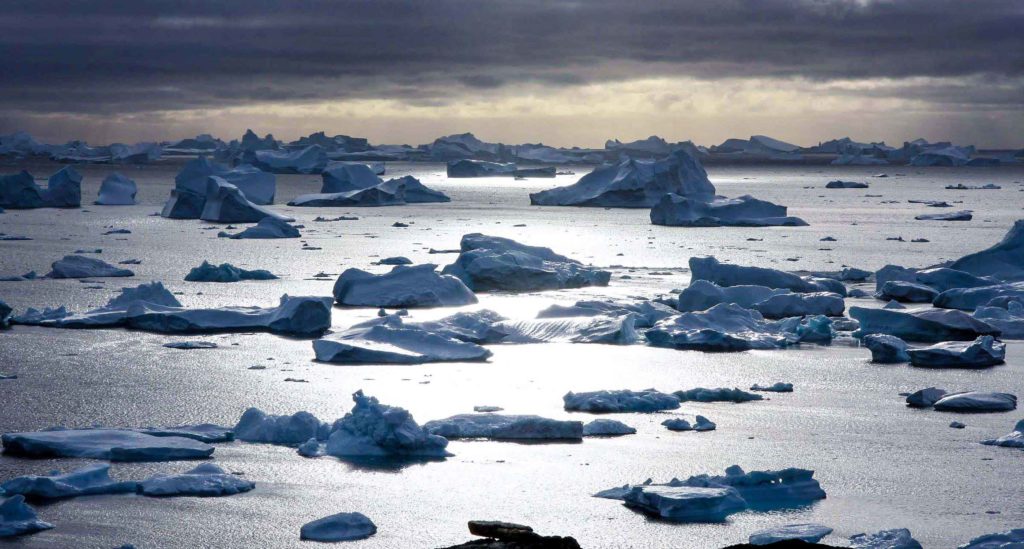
[101, 57]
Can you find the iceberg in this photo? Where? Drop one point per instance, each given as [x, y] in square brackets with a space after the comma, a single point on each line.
[114, 313]
[907, 292]
[226, 203]
[976, 401]
[616, 330]
[478, 168]
[634, 184]
[258, 186]
[777, 387]
[388, 340]
[925, 398]
[607, 428]
[710, 269]
[703, 424]
[203, 432]
[645, 313]
[617, 401]
[797, 304]
[139, 153]
[416, 192]
[311, 159]
[701, 295]
[746, 211]
[839, 184]
[255, 425]
[472, 326]
[342, 177]
[929, 325]
[64, 189]
[462, 145]
[1011, 539]
[960, 215]
[983, 352]
[942, 156]
[206, 480]
[296, 316]
[943, 278]
[77, 266]
[723, 328]
[310, 449]
[686, 503]
[117, 190]
[19, 191]
[87, 481]
[886, 349]
[489, 263]
[1008, 320]
[1004, 261]
[811, 533]
[505, 427]
[969, 299]
[721, 394]
[225, 272]
[106, 444]
[1015, 439]
[677, 424]
[373, 429]
[18, 519]
[267, 228]
[183, 205]
[403, 287]
[389, 193]
[339, 527]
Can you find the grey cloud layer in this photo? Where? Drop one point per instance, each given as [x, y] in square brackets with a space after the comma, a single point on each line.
[95, 57]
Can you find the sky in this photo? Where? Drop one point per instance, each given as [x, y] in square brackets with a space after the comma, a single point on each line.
[561, 72]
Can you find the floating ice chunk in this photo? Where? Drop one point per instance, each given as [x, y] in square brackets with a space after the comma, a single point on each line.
[114, 313]
[907, 292]
[225, 272]
[36, 317]
[117, 190]
[184, 205]
[19, 191]
[777, 387]
[17, 518]
[311, 159]
[485, 409]
[686, 503]
[388, 340]
[311, 448]
[618, 330]
[633, 184]
[893, 272]
[1004, 261]
[724, 327]
[77, 266]
[745, 211]
[396, 260]
[969, 299]
[701, 295]
[489, 263]
[976, 401]
[894, 305]
[982, 352]
[478, 168]
[811, 533]
[677, 424]
[108, 444]
[206, 480]
[886, 349]
[190, 186]
[710, 269]
[961, 215]
[64, 189]
[622, 400]
[139, 153]
[808, 329]
[255, 425]
[930, 325]
[472, 326]
[340, 527]
[721, 394]
[343, 177]
[298, 316]
[1009, 320]
[801, 304]
[388, 193]
[505, 427]
[203, 432]
[226, 203]
[1015, 439]
[373, 429]
[87, 481]
[962, 187]
[925, 398]
[1012, 539]
[607, 427]
[943, 278]
[267, 228]
[416, 192]
[416, 286]
[839, 184]
[646, 313]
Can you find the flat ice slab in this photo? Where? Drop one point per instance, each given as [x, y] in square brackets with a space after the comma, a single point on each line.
[983, 352]
[206, 480]
[619, 330]
[811, 533]
[930, 325]
[623, 400]
[108, 444]
[87, 481]
[340, 527]
[977, 402]
[389, 340]
[295, 315]
[77, 266]
[607, 427]
[897, 538]
[403, 287]
[686, 503]
[1014, 439]
[17, 518]
[505, 427]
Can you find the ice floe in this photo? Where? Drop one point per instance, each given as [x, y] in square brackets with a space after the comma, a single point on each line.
[777, 387]
[311, 159]
[618, 330]
[488, 263]
[255, 425]
[744, 211]
[77, 266]
[983, 352]
[226, 272]
[929, 325]
[886, 349]
[114, 313]
[373, 429]
[724, 327]
[623, 400]
[1014, 439]
[721, 394]
[686, 503]
[960, 215]
[646, 313]
[1011, 539]
[811, 533]
[907, 292]
[606, 427]
[478, 168]
[17, 518]
[339, 527]
[206, 480]
[701, 295]
[839, 184]
[710, 269]
[295, 315]
[388, 340]
[505, 427]
[404, 286]
[925, 398]
[87, 481]
[108, 444]
[1009, 320]
[117, 190]
[976, 401]
[801, 304]
[267, 228]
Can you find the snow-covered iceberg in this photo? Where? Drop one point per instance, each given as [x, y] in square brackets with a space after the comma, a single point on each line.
[745, 211]
[976, 402]
[1014, 439]
[618, 330]
[17, 518]
[403, 287]
[928, 325]
[470, 326]
[646, 313]
[720, 394]
[255, 425]
[206, 480]
[701, 295]
[810, 533]
[87, 481]
[505, 427]
[295, 315]
[226, 272]
[188, 198]
[886, 349]
[634, 184]
[606, 428]
[801, 304]
[373, 429]
[139, 153]
[925, 398]
[64, 189]
[488, 263]
[107, 444]
[389, 340]
[724, 327]
[77, 266]
[339, 527]
[1004, 261]
[722, 274]
[226, 203]
[117, 190]
[686, 503]
[969, 299]
[983, 352]
[907, 292]
[960, 215]
[898, 538]
[267, 228]
[616, 401]
[114, 313]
